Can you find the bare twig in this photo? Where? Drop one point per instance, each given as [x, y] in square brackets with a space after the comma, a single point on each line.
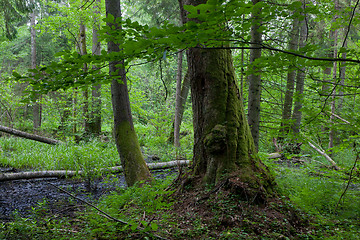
[349, 181]
[89, 204]
[104, 214]
[350, 22]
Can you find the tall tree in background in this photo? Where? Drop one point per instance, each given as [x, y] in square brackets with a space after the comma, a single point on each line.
[334, 38]
[127, 143]
[300, 81]
[36, 105]
[255, 77]
[223, 145]
[11, 12]
[83, 51]
[178, 101]
[290, 83]
[95, 114]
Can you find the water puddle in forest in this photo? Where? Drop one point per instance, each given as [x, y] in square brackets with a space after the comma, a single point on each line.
[22, 195]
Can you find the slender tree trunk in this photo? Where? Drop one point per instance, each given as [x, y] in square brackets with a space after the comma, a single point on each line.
[178, 101]
[95, 115]
[183, 97]
[333, 93]
[255, 77]
[85, 104]
[342, 75]
[36, 104]
[288, 100]
[127, 143]
[300, 81]
[223, 145]
[342, 72]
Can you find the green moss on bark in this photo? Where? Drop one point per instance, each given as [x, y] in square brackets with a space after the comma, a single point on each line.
[132, 160]
[224, 145]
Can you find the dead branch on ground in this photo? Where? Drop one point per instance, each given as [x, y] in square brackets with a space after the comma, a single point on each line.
[68, 173]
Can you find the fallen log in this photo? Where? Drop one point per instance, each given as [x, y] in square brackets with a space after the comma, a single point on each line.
[28, 135]
[274, 155]
[69, 173]
[333, 163]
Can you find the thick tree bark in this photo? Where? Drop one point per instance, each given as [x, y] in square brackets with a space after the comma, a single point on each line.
[255, 77]
[223, 145]
[127, 143]
[28, 135]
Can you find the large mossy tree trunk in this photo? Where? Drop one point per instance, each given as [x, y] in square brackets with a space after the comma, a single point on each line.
[127, 143]
[223, 145]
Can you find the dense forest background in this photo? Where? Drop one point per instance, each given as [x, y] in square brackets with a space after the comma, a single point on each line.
[294, 42]
[296, 65]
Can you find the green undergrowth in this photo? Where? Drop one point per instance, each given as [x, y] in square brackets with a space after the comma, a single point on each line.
[26, 154]
[138, 209]
[322, 195]
[331, 196]
[142, 207]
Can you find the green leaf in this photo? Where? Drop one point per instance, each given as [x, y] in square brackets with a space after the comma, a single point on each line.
[154, 226]
[109, 19]
[16, 75]
[134, 226]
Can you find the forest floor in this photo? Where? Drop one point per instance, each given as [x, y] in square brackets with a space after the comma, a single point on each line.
[21, 197]
[38, 209]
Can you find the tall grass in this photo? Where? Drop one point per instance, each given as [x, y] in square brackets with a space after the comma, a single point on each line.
[26, 154]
